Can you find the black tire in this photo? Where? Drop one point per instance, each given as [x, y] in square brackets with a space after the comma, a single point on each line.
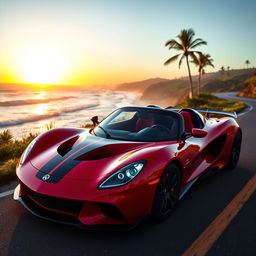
[235, 151]
[167, 193]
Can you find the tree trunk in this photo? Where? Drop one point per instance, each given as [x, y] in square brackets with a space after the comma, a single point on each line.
[199, 82]
[191, 82]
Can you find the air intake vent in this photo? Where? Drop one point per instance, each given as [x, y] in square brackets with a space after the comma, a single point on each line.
[65, 147]
[111, 211]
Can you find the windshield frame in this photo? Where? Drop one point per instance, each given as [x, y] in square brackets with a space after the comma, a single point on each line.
[115, 113]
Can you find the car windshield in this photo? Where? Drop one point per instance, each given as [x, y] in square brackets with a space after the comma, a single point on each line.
[139, 124]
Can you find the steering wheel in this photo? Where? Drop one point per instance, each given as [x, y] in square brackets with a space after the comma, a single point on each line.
[162, 128]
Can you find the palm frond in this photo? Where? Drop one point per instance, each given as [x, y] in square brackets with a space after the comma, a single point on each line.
[198, 52]
[173, 44]
[186, 36]
[170, 42]
[196, 41]
[195, 60]
[172, 59]
[198, 44]
[178, 47]
[210, 64]
[191, 34]
[206, 60]
[180, 62]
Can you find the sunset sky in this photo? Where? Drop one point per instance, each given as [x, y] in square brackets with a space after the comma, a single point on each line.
[110, 42]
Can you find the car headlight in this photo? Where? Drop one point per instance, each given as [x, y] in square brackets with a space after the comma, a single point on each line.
[27, 151]
[123, 175]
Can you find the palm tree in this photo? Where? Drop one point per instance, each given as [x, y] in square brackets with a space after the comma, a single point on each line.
[201, 61]
[228, 69]
[185, 44]
[222, 70]
[247, 62]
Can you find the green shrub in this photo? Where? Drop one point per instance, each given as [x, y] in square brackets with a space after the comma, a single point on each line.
[87, 126]
[7, 171]
[10, 152]
[14, 148]
[5, 137]
[210, 101]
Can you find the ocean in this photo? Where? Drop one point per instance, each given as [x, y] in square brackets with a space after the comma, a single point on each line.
[24, 110]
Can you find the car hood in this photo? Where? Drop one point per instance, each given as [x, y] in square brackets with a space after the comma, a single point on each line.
[85, 157]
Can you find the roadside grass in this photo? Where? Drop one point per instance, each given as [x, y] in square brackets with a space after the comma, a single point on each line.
[206, 100]
[11, 149]
[87, 126]
[7, 171]
[10, 152]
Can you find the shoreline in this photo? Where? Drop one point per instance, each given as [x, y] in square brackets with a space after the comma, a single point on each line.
[72, 116]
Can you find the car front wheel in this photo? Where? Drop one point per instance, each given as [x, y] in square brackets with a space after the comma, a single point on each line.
[235, 151]
[167, 193]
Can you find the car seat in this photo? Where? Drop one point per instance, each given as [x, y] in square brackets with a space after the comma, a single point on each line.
[188, 123]
[144, 122]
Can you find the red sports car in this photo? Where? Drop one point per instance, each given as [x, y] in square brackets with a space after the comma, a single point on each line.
[137, 161]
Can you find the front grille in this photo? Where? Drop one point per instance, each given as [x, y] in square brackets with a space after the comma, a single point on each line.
[42, 212]
[55, 203]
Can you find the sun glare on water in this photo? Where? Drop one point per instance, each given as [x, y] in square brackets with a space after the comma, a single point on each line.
[41, 109]
[41, 95]
[43, 64]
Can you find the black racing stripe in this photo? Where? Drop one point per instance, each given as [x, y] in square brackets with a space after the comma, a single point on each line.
[51, 164]
[67, 166]
[58, 158]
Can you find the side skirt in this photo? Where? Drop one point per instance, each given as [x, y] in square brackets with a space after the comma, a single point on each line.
[191, 183]
[187, 187]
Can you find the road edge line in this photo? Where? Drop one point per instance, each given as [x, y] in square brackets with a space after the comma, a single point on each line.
[6, 193]
[211, 234]
[246, 110]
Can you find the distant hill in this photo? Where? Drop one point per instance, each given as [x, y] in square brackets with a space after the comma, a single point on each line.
[139, 86]
[172, 92]
[164, 92]
[249, 89]
[235, 83]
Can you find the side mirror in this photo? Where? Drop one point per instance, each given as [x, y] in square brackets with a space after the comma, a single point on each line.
[95, 120]
[199, 133]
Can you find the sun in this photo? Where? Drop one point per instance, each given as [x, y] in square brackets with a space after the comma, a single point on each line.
[43, 64]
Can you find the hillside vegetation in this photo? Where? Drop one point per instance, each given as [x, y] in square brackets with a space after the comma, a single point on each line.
[249, 89]
[235, 83]
[10, 152]
[166, 92]
[173, 92]
[205, 100]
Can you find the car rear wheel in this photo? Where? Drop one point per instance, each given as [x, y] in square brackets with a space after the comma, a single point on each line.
[235, 151]
[167, 193]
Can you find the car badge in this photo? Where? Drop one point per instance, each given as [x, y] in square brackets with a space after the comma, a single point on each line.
[46, 177]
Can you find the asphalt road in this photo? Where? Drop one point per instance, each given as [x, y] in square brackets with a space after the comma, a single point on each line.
[24, 234]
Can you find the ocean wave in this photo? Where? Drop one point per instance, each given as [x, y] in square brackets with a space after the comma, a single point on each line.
[35, 118]
[31, 101]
